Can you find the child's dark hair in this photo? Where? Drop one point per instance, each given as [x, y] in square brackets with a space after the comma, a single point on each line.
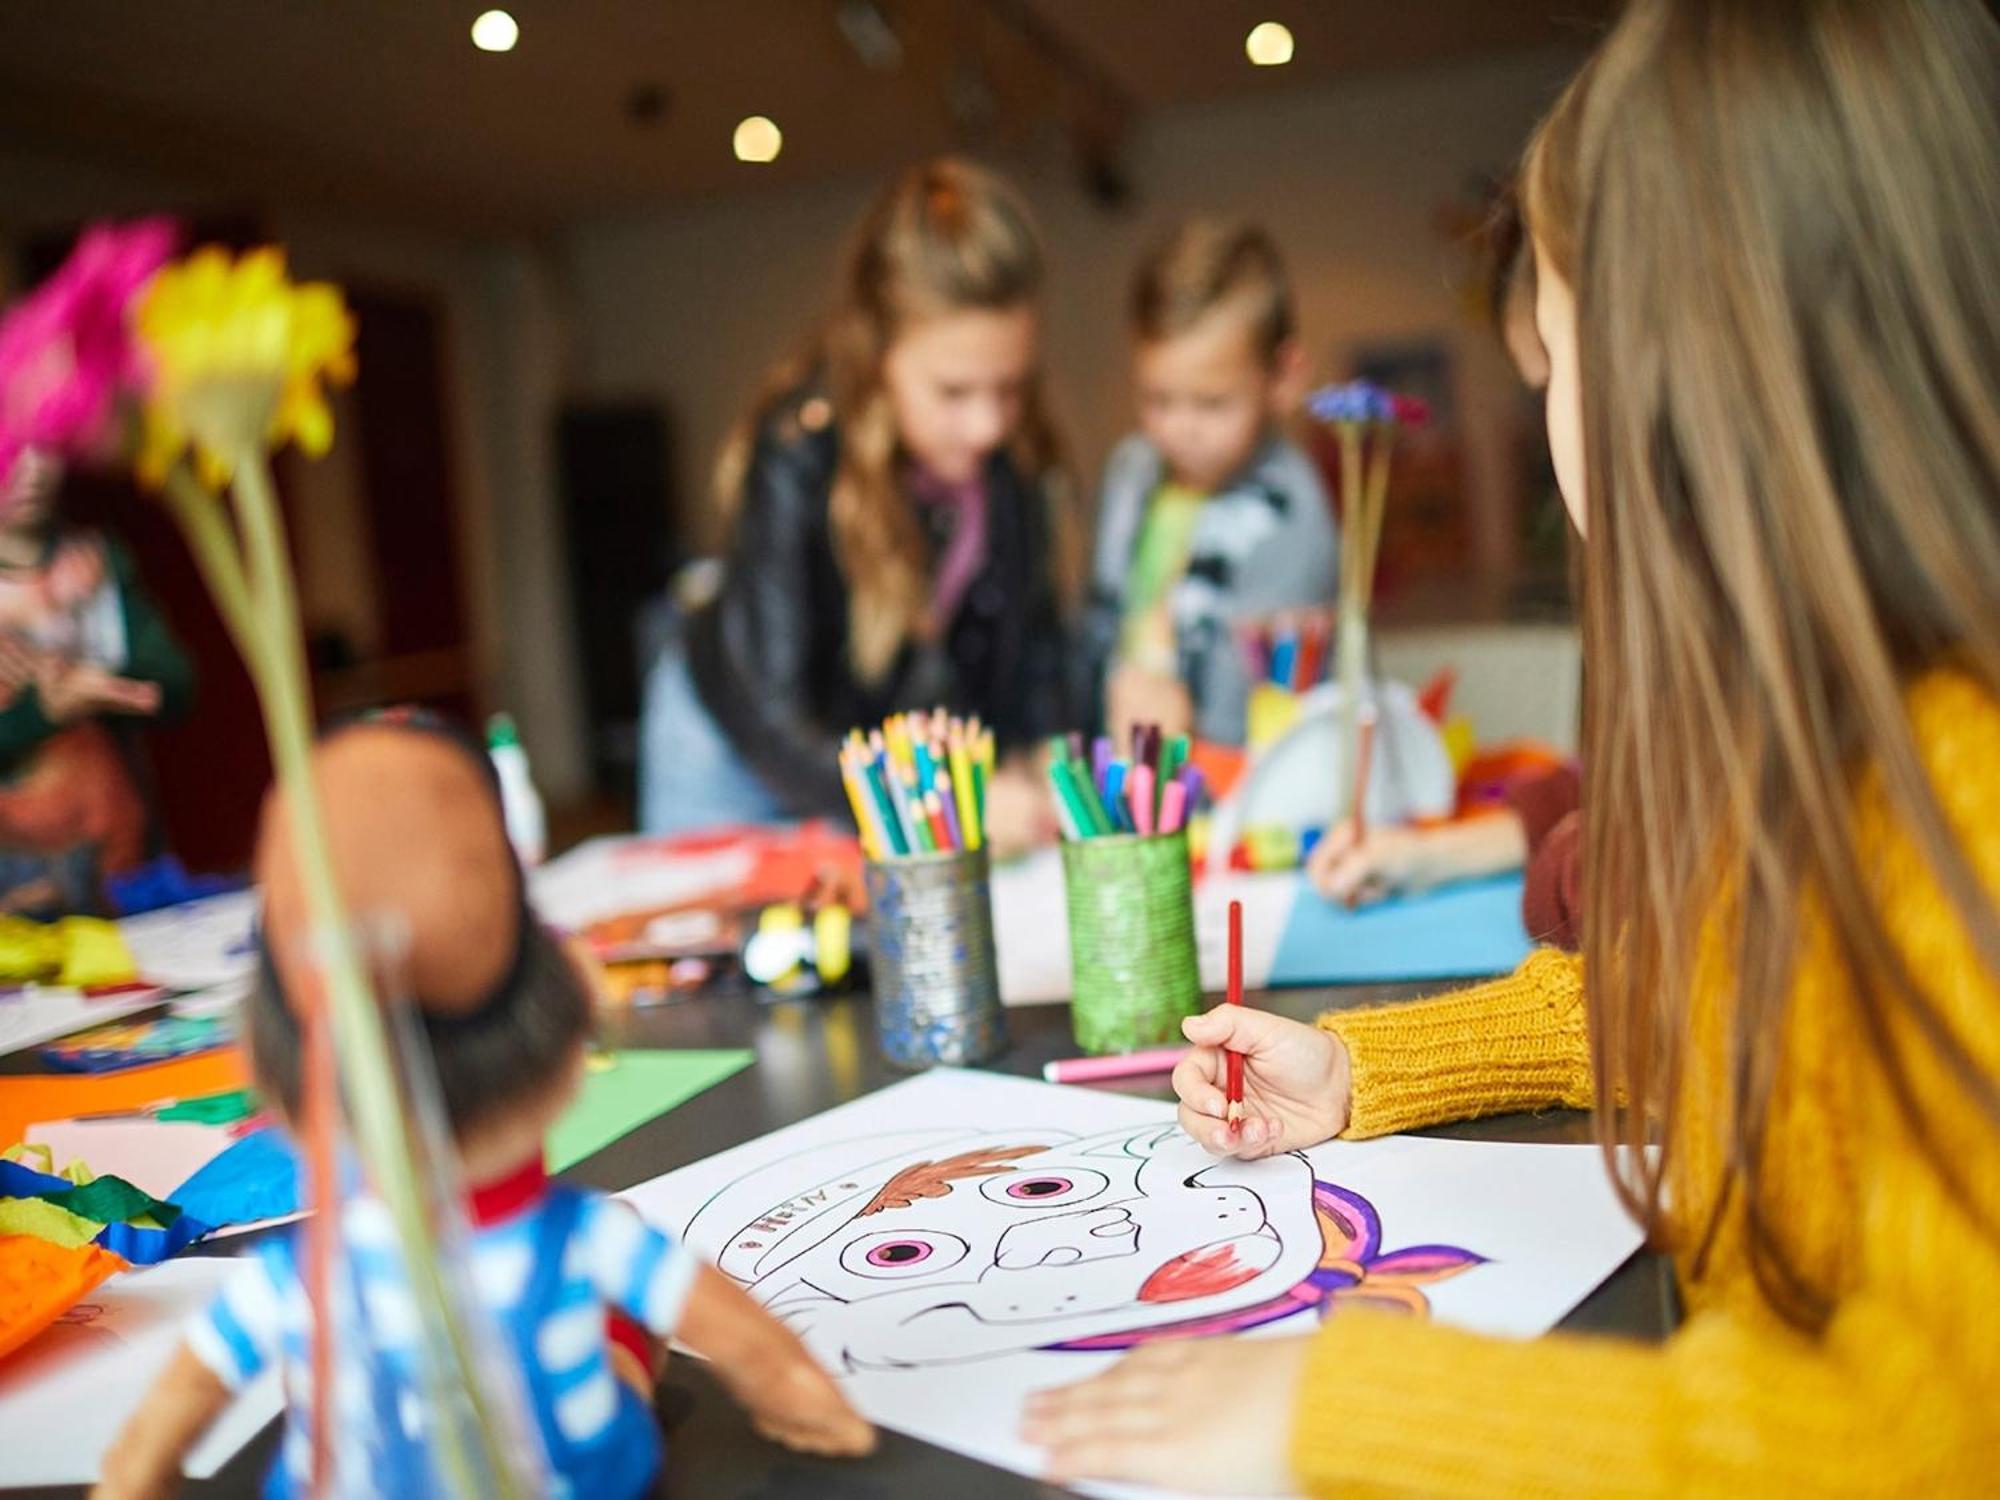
[511, 1048]
[1206, 264]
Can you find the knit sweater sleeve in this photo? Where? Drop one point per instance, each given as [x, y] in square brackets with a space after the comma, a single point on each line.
[1875, 1405]
[1515, 1043]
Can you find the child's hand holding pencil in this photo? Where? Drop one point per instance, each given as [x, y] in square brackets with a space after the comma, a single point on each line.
[1295, 1082]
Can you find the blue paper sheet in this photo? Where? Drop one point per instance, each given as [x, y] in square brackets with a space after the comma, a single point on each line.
[256, 1178]
[1462, 931]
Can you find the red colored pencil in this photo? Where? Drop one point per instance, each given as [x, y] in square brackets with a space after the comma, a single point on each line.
[940, 830]
[1312, 653]
[1235, 1091]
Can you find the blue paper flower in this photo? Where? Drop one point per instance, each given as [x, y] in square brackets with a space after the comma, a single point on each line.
[1356, 401]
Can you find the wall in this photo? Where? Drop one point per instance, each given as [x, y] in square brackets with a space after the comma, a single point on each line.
[690, 304]
[504, 368]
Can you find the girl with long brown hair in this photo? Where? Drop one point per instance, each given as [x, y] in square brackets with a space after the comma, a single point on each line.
[1768, 244]
[894, 529]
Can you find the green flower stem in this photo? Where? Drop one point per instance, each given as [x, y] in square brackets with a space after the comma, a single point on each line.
[376, 1114]
[208, 535]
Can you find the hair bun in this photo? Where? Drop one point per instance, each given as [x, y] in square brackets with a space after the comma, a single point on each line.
[415, 835]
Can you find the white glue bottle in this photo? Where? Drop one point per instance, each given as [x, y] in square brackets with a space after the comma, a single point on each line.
[527, 823]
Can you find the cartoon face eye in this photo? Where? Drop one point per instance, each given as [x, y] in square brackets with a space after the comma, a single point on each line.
[917, 1252]
[1044, 1189]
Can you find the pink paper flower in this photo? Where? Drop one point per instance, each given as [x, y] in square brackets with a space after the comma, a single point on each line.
[1410, 411]
[66, 349]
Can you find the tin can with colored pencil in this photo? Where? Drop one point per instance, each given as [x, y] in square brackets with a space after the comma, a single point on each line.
[1133, 969]
[937, 981]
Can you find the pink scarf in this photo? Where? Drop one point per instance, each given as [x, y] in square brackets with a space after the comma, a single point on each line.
[965, 554]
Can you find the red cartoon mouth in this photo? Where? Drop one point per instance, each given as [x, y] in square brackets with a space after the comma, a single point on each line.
[1211, 1269]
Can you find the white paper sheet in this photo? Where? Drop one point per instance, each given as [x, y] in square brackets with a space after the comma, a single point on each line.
[937, 1241]
[64, 1396]
[215, 1000]
[1031, 926]
[607, 876]
[40, 1013]
[155, 1156]
[196, 945]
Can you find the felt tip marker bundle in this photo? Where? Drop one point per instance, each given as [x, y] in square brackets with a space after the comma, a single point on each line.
[918, 784]
[1154, 791]
[1290, 650]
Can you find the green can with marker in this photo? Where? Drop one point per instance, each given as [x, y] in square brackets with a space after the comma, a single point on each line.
[1133, 969]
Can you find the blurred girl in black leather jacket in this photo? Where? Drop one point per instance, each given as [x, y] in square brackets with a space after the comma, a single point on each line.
[894, 535]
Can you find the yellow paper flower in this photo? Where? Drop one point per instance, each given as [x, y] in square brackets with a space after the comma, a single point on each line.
[241, 356]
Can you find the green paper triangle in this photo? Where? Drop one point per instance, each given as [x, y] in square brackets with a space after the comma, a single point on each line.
[637, 1086]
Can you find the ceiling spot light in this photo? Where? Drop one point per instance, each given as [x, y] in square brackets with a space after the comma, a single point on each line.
[495, 31]
[758, 140]
[1269, 44]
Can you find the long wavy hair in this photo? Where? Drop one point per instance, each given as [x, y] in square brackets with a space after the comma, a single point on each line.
[947, 236]
[1781, 223]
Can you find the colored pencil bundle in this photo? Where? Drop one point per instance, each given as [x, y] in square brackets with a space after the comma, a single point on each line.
[1154, 790]
[1289, 651]
[918, 784]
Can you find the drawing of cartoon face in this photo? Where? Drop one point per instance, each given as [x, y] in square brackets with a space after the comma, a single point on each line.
[987, 1244]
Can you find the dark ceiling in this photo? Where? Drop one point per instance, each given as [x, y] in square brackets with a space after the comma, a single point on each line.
[605, 104]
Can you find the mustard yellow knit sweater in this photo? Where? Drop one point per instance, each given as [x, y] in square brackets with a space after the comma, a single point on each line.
[1899, 1395]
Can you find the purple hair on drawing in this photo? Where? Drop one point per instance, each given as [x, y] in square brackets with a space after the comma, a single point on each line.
[1352, 1271]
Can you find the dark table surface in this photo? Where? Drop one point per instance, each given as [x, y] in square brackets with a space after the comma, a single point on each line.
[812, 1055]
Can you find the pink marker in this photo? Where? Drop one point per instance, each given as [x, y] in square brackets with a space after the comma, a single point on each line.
[1124, 1065]
[1173, 806]
[1141, 783]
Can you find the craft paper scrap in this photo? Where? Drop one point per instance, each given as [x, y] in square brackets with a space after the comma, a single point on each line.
[121, 1218]
[77, 952]
[155, 1155]
[136, 1044]
[623, 1091]
[238, 1181]
[36, 1013]
[605, 876]
[1463, 931]
[216, 1000]
[41, 1279]
[1031, 929]
[198, 945]
[253, 1183]
[229, 1107]
[29, 1098]
[65, 1394]
[956, 1241]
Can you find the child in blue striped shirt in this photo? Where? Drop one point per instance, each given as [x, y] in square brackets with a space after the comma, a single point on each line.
[564, 1276]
